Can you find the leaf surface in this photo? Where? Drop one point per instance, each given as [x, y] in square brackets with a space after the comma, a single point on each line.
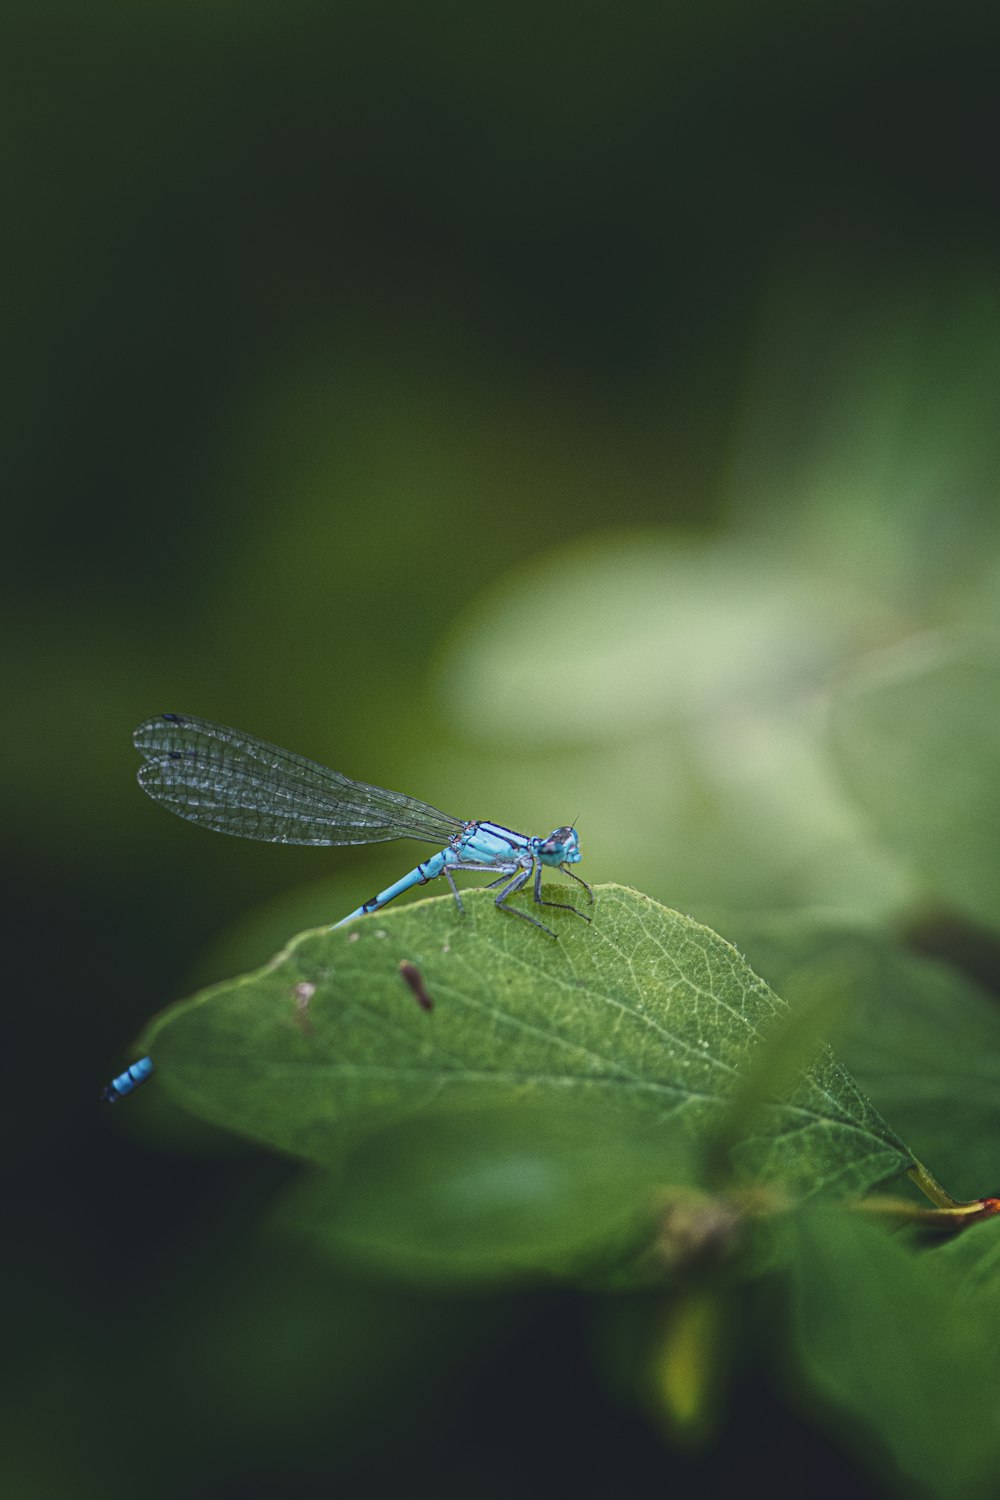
[921, 1039]
[917, 736]
[904, 1345]
[646, 1019]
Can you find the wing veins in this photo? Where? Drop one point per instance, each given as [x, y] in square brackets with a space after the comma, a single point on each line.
[234, 783]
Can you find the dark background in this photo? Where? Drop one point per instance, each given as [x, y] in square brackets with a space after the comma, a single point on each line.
[321, 322]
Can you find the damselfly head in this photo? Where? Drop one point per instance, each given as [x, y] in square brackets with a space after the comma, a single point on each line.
[562, 847]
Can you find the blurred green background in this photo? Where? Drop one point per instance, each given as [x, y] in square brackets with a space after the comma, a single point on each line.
[533, 409]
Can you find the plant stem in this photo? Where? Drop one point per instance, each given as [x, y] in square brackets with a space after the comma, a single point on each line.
[932, 1189]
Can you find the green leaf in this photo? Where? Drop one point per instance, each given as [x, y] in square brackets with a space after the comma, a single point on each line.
[973, 1267]
[903, 1346]
[917, 736]
[713, 628]
[922, 1040]
[495, 1194]
[645, 1017]
[684, 729]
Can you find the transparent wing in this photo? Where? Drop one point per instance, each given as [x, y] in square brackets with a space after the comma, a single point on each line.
[235, 783]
